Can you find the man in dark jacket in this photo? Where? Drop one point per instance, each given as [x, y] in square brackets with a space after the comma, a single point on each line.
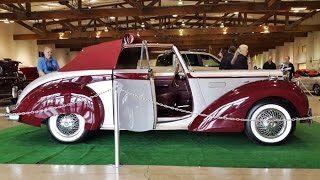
[269, 64]
[290, 65]
[226, 60]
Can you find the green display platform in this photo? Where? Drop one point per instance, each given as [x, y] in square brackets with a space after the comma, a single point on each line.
[30, 145]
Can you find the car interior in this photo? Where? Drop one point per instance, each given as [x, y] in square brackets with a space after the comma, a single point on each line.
[171, 84]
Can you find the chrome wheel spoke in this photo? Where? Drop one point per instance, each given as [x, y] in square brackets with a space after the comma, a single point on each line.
[269, 124]
[68, 124]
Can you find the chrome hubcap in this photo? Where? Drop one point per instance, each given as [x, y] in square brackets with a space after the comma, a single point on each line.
[268, 124]
[68, 124]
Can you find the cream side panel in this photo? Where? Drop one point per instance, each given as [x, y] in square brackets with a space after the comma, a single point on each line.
[104, 88]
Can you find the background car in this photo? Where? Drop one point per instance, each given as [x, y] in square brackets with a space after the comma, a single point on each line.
[11, 80]
[306, 72]
[309, 83]
[115, 81]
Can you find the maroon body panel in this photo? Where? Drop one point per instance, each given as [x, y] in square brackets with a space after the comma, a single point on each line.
[237, 103]
[60, 92]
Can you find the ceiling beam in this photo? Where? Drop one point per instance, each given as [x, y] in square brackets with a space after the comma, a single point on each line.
[271, 2]
[160, 11]
[22, 1]
[137, 4]
[296, 23]
[40, 33]
[185, 32]
[263, 19]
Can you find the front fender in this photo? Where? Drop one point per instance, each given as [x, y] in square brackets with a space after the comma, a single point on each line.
[57, 93]
[237, 103]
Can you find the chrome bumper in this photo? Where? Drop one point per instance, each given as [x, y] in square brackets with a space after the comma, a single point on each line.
[11, 116]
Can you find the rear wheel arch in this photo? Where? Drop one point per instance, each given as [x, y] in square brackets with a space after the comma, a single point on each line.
[38, 102]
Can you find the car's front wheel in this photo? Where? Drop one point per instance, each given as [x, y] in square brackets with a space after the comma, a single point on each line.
[316, 89]
[67, 128]
[267, 126]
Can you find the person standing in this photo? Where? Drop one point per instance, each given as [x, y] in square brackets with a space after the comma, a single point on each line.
[269, 64]
[290, 66]
[47, 63]
[226, 60]
[240, 60]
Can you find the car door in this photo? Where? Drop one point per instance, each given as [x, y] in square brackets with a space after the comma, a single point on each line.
[136, 111]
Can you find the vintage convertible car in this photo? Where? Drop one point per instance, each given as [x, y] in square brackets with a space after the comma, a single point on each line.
[127, 87]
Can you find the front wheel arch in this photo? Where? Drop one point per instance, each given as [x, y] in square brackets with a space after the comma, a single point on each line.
[259, 132]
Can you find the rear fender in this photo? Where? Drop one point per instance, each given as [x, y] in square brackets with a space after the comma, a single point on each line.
[237, 103]
[54, 94]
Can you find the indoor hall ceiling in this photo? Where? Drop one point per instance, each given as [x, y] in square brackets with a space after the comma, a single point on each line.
[189, 24]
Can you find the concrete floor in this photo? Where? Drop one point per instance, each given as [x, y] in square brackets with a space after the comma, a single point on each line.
[79, 172]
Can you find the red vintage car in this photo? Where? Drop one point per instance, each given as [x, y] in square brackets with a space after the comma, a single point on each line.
[306, 72]
[116, 79]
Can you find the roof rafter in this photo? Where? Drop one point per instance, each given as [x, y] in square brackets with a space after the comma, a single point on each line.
[161, 10]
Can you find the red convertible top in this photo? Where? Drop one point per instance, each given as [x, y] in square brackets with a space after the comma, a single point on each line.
[100, 56]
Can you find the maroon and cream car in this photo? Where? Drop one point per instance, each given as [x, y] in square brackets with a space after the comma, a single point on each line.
[127, 84]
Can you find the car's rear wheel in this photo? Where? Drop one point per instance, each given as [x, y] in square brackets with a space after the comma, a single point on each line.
[268, 127]
[67, 128]
[316, 89]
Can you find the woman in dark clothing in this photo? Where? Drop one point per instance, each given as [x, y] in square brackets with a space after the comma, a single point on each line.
[226, 60]
[240, 60]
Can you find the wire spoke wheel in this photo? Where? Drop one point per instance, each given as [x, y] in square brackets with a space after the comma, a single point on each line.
[67, 128]
[271, 123]
[68, 125]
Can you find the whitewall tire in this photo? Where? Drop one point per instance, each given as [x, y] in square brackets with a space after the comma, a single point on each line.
[67, 128]
[266, 131]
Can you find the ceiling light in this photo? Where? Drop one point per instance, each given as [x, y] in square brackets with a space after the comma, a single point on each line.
[106, 29]
[180, 2]
[298, 8]
[180, 32]
[222, 25]
[112, 18]
[175, 15]
[98, 34]
[53, 4]
[265, 29]
[318, 10]
[56, 19]
[142, 25]
[183, 24]
[61, 35]
[89, 7]
[6, 21]
[226, 1]
[224, 31]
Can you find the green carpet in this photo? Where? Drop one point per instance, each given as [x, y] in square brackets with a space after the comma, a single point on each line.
[30, 145]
